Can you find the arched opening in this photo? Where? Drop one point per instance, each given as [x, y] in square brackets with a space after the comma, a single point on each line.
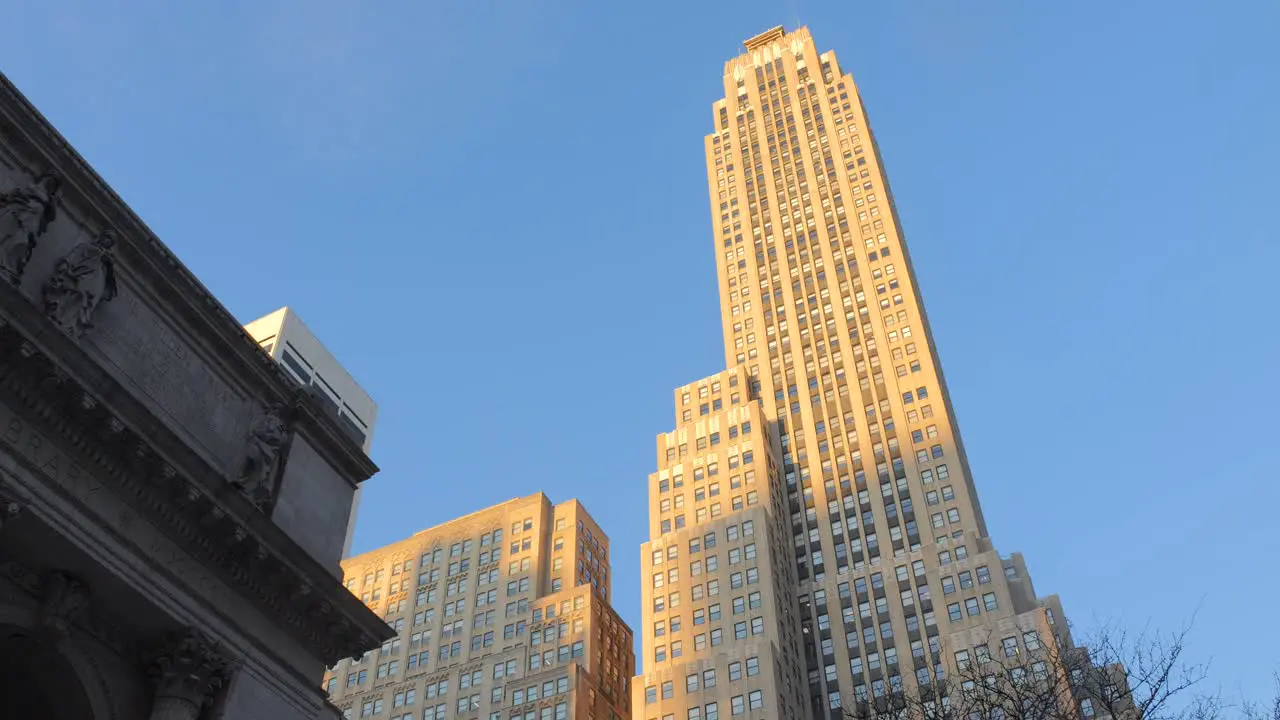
[36, 681]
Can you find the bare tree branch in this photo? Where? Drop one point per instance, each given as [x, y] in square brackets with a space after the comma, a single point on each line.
[1115, 675]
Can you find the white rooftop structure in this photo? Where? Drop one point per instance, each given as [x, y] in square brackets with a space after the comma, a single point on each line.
[284, 337]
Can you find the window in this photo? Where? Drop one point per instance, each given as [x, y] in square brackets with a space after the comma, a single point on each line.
[1086, 708]
[953, 612]
[1010, 646]
[1031, 639]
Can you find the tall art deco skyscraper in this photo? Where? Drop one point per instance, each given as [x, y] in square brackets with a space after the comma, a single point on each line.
[816, 538]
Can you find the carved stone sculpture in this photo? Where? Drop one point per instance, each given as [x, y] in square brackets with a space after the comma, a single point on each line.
[10, 509]
[25, 215]
[81, 281]
[188, 670]
[63, 598]
[266, 438]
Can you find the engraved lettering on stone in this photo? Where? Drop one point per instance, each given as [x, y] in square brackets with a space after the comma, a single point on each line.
[18, 440]
[81, 281]
[25, 442]
[25, 215]
[267, 436]
[148, 352]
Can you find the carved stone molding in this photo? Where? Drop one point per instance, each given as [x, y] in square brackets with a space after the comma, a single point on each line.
[188, 670]
[147, 258]
[226, 534]
[63, 599]
[25, 215]
[36, 584]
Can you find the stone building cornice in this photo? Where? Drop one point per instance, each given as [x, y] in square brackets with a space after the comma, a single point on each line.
[203, 318]
[49, 377]
[151, 468]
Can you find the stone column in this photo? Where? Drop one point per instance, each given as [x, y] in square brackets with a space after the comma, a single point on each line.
[188, 670]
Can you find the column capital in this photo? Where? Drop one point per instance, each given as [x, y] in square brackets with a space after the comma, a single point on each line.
[188, 667]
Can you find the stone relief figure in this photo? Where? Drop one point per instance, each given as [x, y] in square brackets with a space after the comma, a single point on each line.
[25, 215]
[266, 438]
[81, 281]
[63, 598]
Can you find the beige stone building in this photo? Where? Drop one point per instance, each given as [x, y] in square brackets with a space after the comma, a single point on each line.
[816, 538]
[503, 613]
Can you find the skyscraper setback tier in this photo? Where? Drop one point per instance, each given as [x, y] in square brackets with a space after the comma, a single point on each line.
[815, 536]
[501, 614]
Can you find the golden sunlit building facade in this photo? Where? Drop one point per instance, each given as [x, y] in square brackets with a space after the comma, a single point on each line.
[831, 436]
[502, 614]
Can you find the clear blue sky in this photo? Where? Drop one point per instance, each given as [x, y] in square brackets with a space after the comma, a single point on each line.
[495, 215]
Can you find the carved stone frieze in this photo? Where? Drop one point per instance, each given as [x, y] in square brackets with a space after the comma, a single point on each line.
[25, 215]
[84, 278]
[79, 173]
[225, 539]
[100, 438]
